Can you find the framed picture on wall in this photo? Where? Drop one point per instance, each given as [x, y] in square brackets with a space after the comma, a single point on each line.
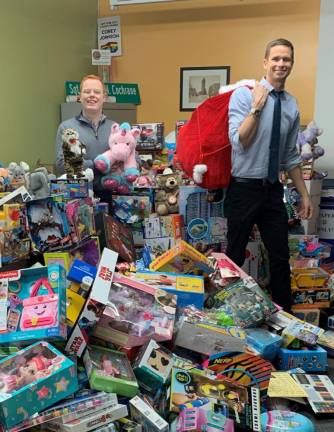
[200, 83]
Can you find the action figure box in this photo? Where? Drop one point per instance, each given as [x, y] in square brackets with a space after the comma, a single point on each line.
[309, 278]
[143, 414]
[33, 304]
[110, 371]
[245, 302]
[153, 366]
[131, 209]
[116, 236]
[95, 304]
[135, 313]
[310, 359]
[70, 188]
[80, 216]
[182, 258]
[33, 379]
[189, 289]
[310, 299]
[151, 136]
[203, 220]
[193, 389]
[48, 224]
[311, 316]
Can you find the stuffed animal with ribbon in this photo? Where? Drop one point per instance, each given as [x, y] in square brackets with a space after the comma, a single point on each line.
[118, 164]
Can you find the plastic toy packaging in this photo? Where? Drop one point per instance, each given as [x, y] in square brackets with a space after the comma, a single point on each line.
[138, 312]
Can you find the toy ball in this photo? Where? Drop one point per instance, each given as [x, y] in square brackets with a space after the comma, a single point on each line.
[283, 420]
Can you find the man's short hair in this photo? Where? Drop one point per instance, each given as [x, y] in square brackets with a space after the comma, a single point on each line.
[276, 42]
[94, 77]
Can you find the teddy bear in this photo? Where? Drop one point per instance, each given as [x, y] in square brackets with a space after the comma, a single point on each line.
[119, 164]
[308, 142]
[167, 192]
[73, 151]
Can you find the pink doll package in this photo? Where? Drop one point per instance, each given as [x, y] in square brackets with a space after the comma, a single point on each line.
[136, 313]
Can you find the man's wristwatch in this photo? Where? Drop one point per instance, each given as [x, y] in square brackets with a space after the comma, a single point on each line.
[255, 112]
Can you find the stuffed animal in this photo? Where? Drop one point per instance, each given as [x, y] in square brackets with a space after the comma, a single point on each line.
[167, 192]
[73, 151]
[39, 183]
[308, 142]
[17, 174]
[119, 164]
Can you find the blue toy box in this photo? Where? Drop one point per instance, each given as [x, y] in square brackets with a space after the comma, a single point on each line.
[308, 359]
[263, 341]
[32, 380]
[33, 304]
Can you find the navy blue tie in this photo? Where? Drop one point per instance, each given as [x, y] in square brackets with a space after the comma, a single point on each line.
[273, 168]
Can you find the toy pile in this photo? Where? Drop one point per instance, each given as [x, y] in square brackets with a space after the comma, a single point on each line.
[130, 317]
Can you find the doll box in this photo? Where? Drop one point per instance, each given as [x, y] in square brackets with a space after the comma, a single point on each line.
[110, 371]
[135, 313]
[309, 359]
[188, 288]
[35, 304]
[208, 417]
[21, 396]
[182, 258]
[153, 366]
[143, 414]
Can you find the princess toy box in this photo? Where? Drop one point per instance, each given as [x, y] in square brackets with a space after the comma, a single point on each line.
[32, 380]
[33, 304]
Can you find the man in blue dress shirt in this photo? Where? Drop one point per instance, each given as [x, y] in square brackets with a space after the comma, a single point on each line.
[263, 128]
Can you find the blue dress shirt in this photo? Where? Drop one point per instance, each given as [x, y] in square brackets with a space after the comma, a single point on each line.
[253, 162]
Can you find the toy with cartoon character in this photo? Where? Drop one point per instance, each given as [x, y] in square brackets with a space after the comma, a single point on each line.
[167, 192]
[73, 151]
[119, 164]
[308, 142]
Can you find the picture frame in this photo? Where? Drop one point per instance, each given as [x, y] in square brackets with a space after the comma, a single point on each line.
[199, 83]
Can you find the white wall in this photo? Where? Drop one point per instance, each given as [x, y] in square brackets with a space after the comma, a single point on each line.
[324, 101]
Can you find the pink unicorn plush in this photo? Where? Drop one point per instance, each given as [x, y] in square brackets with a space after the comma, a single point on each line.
[119, 164]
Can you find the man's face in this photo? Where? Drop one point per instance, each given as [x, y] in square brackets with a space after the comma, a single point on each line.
[92, 96]
[278, 65]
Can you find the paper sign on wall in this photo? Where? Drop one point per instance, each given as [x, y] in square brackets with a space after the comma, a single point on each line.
[101, 57]
[109, 35]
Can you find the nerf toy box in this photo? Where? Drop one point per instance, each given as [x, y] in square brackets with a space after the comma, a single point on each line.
[33, 304]
[188, 288]
[182, 258]
[33, 379]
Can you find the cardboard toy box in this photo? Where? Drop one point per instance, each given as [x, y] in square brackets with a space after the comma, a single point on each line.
[188, 288]
[310, 359]
[70, 188]
[203, 221]
[151, 136]
[182, 258]
[309, 277]
[95, 305]
[21, 396]
[146, 416]
[163, 226]
[33, 304]
[310, 299]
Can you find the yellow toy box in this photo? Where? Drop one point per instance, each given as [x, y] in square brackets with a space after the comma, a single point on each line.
[314, 277]
[182, 258]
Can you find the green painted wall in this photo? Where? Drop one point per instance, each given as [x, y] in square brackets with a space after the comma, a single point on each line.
[43, 43]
